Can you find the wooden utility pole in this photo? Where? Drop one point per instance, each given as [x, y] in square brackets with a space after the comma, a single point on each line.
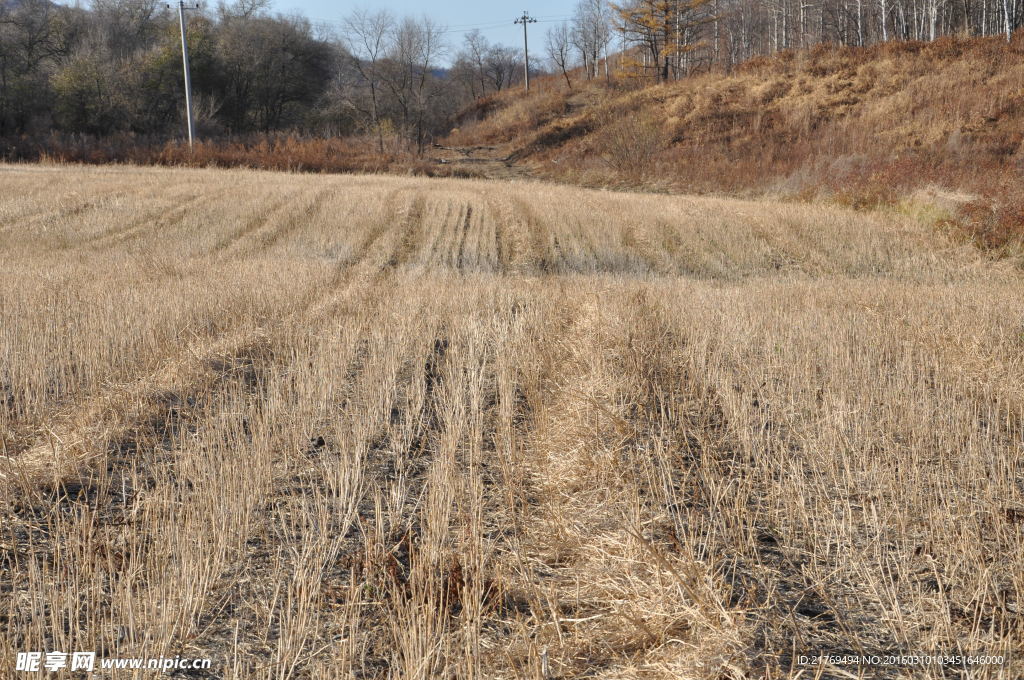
[525, 19]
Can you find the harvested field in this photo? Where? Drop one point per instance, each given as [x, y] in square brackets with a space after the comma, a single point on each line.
[382, 427]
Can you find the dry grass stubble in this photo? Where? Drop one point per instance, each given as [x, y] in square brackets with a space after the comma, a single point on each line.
[334, 427]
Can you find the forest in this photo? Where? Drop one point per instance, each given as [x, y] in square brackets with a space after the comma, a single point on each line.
[113, 67]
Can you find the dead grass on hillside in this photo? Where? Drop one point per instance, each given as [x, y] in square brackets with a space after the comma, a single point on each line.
[374, 427]
[864, 127]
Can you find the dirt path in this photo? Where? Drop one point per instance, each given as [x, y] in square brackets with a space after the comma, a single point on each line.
[488, 162]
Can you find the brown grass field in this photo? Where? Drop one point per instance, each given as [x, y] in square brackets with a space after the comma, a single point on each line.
[407, 428]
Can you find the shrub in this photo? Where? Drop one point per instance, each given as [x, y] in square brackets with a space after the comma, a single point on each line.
[629, 143]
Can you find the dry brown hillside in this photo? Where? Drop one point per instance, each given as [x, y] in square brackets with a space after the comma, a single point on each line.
[865, 126]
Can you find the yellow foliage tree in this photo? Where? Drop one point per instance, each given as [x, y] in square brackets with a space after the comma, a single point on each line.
[664, 31]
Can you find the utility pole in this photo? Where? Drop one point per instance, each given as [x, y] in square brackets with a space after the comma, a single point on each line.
[188, 76]
[525, 19]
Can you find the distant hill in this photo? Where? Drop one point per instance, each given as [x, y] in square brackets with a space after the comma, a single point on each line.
[862, 125]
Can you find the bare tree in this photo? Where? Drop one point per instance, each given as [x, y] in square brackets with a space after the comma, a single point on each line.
[412, 56]
[476, 49]
[367, 38]
[128, 26]
[242, 9]
[591, 33]
[32, 37]
[559, 45]
[503, 66]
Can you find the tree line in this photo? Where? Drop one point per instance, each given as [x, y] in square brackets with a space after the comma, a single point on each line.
[114, 66]
[661, 40]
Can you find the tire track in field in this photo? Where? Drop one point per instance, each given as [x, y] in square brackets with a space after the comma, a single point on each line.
[376, 257]
[272, 232]
[465, 225]
[152, 220]
[481, 256]
[78, 435]
[441, 240]
[9, 213]
[538, 241]
[527, 245]
[413, 231]
[625, 434]
[64, 212]
[252, 236]
[442, 237]
[255, 223]
[512, 235]
[682, 446]
[502, 237]
[474, 254]
[588, 252]
[546, 253]
[564, 440]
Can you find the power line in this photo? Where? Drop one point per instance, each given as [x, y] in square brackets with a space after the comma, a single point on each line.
[481, 27]
[457, 28]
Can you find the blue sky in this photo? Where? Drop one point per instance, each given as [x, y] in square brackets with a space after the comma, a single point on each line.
[494, 19]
